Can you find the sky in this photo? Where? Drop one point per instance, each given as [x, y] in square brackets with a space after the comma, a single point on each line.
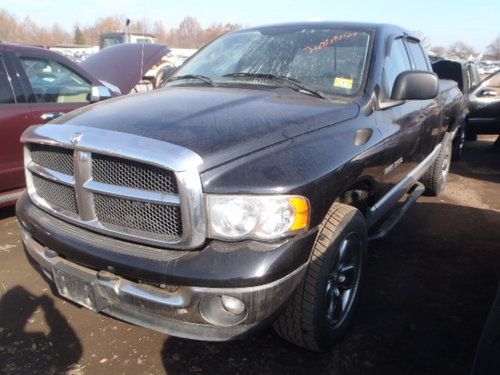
[443, 21]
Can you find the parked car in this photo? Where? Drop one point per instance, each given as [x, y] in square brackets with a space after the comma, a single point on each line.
[484, 107]
[37, 85]
[151, 76]
[467, 77]
[245, 191]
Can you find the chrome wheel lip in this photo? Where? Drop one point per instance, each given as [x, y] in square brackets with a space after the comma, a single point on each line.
[343, 281]
[445, 167]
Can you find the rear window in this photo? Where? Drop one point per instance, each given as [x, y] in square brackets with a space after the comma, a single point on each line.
[6, 93]
[418, 56]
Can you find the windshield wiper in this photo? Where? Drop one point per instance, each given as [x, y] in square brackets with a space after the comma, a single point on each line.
[299, 86]
[204, 79]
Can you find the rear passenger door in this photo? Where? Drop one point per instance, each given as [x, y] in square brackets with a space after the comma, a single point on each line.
[15, 117]
[399, 122]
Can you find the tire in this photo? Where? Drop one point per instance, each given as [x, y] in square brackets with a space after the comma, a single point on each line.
[458, 144]
[322, 307]
[436, 176]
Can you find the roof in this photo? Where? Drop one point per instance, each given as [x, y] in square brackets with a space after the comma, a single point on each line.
[379, 27]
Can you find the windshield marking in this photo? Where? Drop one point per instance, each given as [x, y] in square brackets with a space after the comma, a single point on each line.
[328, 42]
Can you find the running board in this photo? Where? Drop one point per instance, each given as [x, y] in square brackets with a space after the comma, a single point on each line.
[385, 227]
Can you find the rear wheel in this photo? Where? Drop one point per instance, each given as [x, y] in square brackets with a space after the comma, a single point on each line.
[436, 177]
[322, 307]
[458, 144]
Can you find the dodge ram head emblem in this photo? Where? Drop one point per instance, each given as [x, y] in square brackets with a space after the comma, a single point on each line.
[75, 138]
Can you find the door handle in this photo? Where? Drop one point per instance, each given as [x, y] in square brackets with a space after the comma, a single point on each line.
[49, 116]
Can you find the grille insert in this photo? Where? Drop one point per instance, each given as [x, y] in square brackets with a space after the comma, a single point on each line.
[56, 194]
[123, 172]
[145, 219]
[55, 158]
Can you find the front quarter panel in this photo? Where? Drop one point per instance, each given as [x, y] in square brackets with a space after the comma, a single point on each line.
[318, 165]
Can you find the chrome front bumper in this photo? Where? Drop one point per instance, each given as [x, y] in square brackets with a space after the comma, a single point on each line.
[174, 310]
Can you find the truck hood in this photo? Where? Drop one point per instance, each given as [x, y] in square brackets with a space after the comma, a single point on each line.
[123, 65]
[218, 123]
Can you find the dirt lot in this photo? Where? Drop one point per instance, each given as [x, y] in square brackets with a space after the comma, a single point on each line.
[429, 286]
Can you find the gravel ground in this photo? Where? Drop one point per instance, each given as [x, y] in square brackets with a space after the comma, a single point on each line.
[428, 289]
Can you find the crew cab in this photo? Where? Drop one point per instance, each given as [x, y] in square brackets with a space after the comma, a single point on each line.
[38, 85]
[245, 191]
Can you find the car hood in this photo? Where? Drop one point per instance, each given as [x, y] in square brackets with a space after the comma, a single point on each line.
[124, 65]
[218, 123]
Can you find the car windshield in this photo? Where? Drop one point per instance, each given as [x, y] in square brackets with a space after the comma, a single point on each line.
[322, 60]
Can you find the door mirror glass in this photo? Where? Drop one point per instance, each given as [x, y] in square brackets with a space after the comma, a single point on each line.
[415, 85]
[99, 93]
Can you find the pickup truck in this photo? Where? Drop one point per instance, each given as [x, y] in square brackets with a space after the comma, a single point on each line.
[245, 191]
[481, 100]
[484, 107]
[465, 74]
[37, 85]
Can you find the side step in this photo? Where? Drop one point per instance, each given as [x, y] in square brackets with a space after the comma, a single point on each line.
[385, 227]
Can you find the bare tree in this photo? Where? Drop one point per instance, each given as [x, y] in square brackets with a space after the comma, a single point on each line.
[461, 50]
[493, 48]
[439, 50]
[189, 33]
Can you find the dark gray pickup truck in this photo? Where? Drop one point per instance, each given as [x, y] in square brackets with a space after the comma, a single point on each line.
[245, 191]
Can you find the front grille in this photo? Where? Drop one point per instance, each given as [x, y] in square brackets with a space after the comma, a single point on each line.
[133, 174]
[57, 195]
[145, 219]
[94, 197]
[55, 158]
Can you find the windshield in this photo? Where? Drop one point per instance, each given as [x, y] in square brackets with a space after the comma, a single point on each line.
[328, 60]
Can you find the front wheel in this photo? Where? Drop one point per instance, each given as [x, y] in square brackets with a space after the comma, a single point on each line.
[323, 305]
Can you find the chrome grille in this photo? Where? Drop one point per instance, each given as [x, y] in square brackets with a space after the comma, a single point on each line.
[130, 173]
[55, 194]
[127, 186]
[145, 219]
[54, 158]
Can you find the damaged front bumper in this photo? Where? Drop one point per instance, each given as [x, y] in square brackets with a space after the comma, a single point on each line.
[193, 312]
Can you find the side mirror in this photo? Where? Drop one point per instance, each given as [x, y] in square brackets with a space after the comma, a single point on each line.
[415, 85]
[487, 93]
[98, 93]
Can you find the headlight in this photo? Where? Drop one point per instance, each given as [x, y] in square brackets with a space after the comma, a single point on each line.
[267, 217]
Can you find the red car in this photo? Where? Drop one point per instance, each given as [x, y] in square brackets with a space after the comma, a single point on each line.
[37, 85]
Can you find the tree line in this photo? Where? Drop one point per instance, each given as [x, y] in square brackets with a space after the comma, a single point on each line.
[189, 34]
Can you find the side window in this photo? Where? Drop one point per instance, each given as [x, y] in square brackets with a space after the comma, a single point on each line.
[396, 63]
[6, 92]
[418, 56]
[53, 82]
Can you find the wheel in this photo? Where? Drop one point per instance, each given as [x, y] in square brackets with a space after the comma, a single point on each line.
[322, 307]
[458, 145]
[436, 176]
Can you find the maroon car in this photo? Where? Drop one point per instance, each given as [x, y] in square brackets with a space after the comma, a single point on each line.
[37, 85]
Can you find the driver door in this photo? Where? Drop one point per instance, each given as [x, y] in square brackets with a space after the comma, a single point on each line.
[484, 111]
[55, 88]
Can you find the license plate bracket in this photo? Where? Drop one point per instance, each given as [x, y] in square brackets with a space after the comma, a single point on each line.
[75, 285]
